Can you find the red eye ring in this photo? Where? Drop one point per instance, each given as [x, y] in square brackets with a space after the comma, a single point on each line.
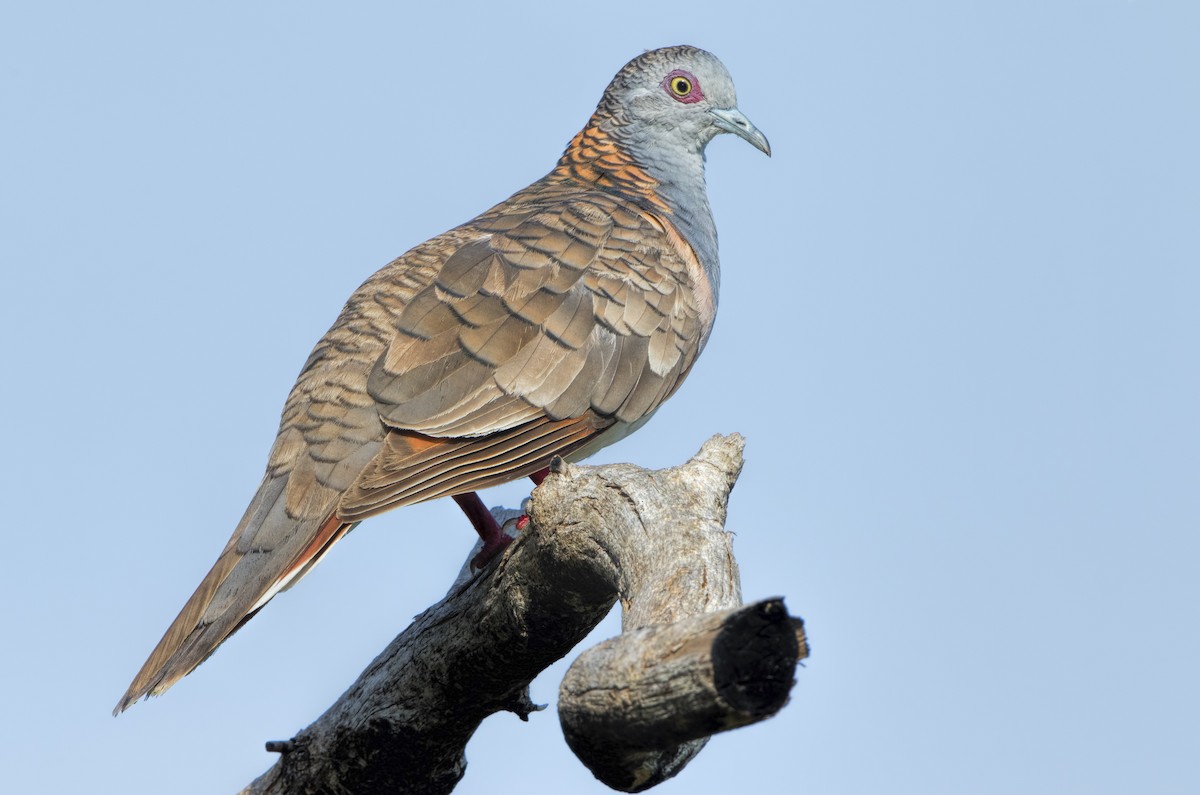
[683, 86]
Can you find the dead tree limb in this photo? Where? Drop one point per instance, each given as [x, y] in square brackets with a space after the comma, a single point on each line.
[637, 708]
[596, 532]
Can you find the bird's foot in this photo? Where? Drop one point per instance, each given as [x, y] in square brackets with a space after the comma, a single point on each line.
[493, 548]
[495, 538]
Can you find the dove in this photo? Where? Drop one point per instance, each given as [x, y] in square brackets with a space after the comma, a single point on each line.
[553, 324]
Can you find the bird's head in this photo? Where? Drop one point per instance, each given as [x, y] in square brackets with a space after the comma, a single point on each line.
[675, 96]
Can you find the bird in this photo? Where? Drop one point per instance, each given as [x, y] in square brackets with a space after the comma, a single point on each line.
[553, 324]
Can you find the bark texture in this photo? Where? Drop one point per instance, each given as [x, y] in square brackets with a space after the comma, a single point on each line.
[655, 540]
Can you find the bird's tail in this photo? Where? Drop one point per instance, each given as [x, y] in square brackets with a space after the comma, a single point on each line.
[267, 553]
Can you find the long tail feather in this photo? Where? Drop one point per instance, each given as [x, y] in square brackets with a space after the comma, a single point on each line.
[237, 587]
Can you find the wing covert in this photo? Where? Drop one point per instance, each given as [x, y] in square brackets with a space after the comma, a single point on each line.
[586, 307]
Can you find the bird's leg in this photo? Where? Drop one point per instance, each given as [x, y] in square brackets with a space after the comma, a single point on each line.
[494, 539]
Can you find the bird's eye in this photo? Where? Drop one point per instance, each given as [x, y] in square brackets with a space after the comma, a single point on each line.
[683, 87]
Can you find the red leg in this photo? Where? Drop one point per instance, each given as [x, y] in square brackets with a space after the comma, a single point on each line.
[539, 476]
[494, 539]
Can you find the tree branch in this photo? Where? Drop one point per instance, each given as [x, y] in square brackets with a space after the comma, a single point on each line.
[653, 538]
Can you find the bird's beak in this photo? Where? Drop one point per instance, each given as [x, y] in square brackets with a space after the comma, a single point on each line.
[732, 120]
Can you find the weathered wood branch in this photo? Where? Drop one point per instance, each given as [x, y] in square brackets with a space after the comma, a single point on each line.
[637, 708]
[654, 539]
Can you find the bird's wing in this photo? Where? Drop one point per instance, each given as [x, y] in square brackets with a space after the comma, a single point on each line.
[530, 342]
[470, 361]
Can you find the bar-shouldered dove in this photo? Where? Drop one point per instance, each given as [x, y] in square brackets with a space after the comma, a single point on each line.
[553, 324]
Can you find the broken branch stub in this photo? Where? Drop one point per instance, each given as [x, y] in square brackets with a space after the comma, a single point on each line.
[637, 708]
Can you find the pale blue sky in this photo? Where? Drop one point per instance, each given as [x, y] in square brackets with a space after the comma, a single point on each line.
[958, 328]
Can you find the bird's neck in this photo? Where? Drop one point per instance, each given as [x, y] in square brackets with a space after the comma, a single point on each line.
[668, 182]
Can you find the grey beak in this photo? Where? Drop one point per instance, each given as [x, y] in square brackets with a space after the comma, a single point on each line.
[732, 120]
